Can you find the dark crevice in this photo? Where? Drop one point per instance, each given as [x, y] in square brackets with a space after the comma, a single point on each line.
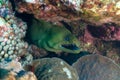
[13, 4]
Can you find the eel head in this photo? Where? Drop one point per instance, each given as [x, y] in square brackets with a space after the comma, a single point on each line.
[62, 41]
[53, 38]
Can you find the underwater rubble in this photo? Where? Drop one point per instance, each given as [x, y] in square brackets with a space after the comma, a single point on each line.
[95, 23]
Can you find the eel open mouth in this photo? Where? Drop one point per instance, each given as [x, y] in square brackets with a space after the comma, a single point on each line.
[70, 46]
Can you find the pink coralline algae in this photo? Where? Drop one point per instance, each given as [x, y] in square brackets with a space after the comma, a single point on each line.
[3, 27]
[87, 37]
[107, 31]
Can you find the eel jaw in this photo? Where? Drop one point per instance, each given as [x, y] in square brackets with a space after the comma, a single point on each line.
[72, 48]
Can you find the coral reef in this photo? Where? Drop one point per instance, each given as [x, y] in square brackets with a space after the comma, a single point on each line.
[101, 11]
[13, 65]
[50, 10]
[107, 32]
[97, 67]
[13, 70]
[27, 76]
[26, 59]
[53, 69]
[100, 15]
[100, 39]
[37, 52]
[96, 24]
[114, 55]
[11, 76]
[94, 11]
[102, 6]
[74, 3]
[12, 32]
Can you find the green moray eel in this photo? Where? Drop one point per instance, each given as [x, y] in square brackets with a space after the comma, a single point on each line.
[53, 37]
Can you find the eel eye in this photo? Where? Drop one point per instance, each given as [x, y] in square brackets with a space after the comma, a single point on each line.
[67, 38]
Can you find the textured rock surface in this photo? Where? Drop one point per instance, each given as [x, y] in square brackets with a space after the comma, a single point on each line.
[53, 69]
[97, 67]
[97, 11]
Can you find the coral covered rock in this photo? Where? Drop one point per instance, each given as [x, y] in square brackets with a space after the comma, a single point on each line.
[13, 70]
[53, 69]
[50, 10]
[37, 52]
[101, 11]
[97, 11]
[107, 32]
[12, 32]
[13, 65]
[27, 76]
[97, 67]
